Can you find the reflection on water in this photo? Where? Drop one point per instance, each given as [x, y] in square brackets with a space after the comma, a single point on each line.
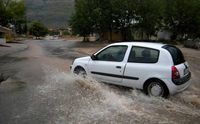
[78, 100]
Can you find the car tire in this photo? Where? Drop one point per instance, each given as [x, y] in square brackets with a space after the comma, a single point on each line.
[80, 71]
[156, 88]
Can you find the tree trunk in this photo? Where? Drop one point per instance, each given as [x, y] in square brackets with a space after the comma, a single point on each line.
[148, 36]
[122, 37]
[142, 35]
[84, 39]
[110, 35]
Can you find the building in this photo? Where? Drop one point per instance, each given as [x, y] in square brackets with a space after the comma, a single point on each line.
[5, 34]
[116, 36]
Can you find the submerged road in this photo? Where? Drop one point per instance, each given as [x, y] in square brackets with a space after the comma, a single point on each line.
[41, 90]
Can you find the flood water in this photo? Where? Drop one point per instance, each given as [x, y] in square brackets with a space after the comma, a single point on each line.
[41, 89]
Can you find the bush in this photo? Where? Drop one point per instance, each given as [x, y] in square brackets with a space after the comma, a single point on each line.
[65, 33]
[53, 33]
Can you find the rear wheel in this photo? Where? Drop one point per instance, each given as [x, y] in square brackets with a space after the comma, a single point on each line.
[156, 88]
[80, 71]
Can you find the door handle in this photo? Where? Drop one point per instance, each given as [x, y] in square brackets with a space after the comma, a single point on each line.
[119, 67]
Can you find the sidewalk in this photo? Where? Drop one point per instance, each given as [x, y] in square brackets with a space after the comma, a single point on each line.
[9, 48]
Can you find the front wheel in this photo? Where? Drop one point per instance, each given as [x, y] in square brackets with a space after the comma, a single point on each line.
[80, 71]
[156, 88]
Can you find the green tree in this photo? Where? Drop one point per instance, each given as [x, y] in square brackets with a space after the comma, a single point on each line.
[149, 17]
[146, 16]
[93, 16]
[80, 21]
[52, 33]
[182, 17]
[38, 29]
[12, 12]
[193, 21]
[125, 14]
[65, 33]
[107, 16]
[5, 16]
[25, 28]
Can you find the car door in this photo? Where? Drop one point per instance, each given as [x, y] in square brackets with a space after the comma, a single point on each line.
[109, 64]
[141, 63]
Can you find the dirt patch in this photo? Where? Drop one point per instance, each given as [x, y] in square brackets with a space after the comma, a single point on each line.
[21, 59]
[89, 48]
[87, 51]
[19, 82]
[75, 38]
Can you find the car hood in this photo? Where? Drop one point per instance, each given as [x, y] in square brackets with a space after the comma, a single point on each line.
[87, 58]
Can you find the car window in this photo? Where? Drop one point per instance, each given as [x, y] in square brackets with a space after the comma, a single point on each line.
[143, 55]
[113, 53]
[176, 54]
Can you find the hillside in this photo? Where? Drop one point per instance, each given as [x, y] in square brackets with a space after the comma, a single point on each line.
[53, 13]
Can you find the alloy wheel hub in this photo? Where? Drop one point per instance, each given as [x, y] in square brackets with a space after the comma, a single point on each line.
[156, 90]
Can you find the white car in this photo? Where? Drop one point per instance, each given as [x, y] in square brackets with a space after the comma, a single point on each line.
[158, 69]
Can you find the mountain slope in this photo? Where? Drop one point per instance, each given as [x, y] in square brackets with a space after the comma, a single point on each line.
[53, 13]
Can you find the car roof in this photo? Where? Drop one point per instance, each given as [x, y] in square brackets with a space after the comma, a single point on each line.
[142, 44]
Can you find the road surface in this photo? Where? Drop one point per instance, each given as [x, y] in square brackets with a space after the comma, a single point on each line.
[41, 90]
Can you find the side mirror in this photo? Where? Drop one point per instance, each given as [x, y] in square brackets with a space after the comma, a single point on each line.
[93, 57]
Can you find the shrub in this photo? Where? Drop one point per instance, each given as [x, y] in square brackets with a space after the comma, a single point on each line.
[65, 33]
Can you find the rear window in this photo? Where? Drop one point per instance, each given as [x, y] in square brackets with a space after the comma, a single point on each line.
[176, 54]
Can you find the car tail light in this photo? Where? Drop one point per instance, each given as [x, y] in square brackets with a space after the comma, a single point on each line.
[175, 73]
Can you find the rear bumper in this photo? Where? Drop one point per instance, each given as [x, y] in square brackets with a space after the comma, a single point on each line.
[183, 84]
[183, 80]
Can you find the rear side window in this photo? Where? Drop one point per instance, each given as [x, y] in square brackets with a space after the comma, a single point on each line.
[176, 54]
[143, 55]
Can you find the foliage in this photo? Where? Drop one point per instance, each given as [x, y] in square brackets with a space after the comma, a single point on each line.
[53, 33]
[12, 12]
[38, 29]
[182, 17]
[145, 16]
[25, 28]
[65, 33]
[87, 39]
[81, 22]
[149, 17]
[125, 14]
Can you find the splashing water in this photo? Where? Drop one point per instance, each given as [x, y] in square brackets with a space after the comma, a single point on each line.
[74, 99]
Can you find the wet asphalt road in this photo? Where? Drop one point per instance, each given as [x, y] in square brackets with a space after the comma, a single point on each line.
[40, 90]
[26, 70]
